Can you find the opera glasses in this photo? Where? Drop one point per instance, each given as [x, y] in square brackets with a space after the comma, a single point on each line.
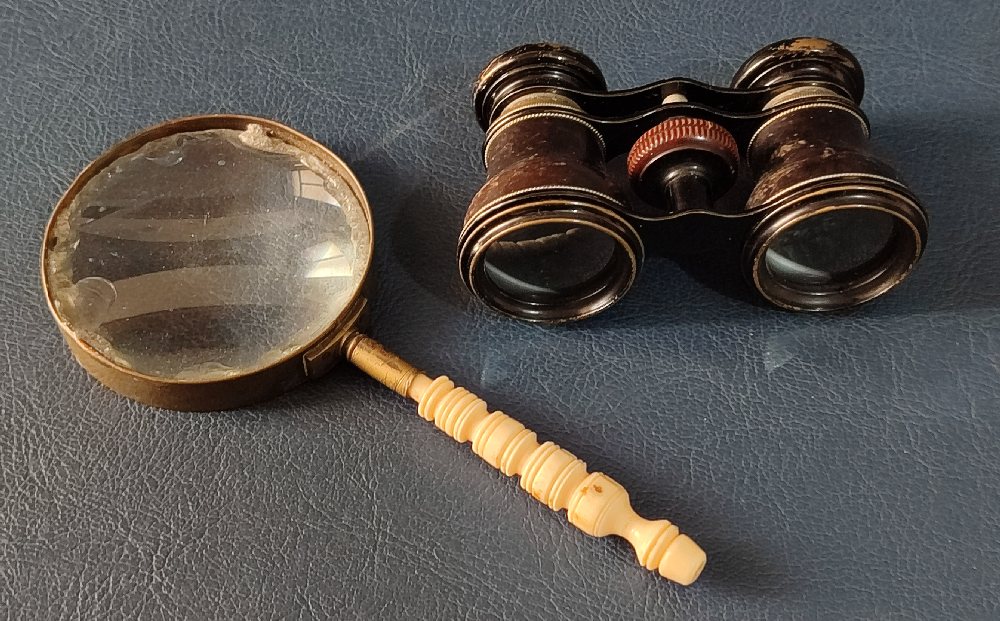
[774, 171]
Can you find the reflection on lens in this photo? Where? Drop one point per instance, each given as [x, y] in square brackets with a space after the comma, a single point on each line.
[833, 250]
[549, 261]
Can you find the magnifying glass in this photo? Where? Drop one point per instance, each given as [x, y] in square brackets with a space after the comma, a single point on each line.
[214, 261]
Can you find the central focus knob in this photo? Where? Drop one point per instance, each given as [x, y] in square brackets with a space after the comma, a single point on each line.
[683, 164]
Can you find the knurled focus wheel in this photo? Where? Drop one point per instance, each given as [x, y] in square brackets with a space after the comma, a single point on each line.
[683, 150]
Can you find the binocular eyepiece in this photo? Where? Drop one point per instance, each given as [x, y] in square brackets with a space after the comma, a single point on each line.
[583, 181]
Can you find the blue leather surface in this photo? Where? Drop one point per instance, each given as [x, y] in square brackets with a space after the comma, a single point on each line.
[833, 467]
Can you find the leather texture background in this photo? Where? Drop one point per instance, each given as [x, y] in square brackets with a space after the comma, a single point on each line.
[832, 466]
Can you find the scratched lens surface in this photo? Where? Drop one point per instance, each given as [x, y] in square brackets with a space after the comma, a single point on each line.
[550, 262]
[833, 250]
[208, 254]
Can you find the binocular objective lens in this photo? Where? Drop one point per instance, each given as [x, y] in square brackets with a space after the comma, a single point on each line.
[831, 248]
[837, 251]
[546, 263]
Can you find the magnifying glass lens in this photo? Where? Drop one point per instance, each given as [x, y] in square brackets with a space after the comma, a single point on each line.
[206, 254]
[832, 248]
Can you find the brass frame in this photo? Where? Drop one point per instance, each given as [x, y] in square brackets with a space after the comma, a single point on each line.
[304, 362]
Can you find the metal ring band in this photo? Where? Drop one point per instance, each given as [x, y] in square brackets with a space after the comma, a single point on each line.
[504, 124]
[818, 104]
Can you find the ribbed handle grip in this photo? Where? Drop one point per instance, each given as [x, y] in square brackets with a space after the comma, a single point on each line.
[595, 503]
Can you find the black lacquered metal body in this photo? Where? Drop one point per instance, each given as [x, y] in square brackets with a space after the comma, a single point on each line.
[774, 171]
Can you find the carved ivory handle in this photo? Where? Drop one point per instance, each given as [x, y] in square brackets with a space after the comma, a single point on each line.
[595, 503]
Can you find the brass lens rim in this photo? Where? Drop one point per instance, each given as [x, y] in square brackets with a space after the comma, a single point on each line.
[616, 278]
[191, 394]
[896, 263]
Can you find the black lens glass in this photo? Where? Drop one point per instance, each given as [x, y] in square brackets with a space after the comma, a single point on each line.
[832, 250]
[549, 262]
